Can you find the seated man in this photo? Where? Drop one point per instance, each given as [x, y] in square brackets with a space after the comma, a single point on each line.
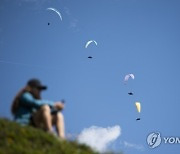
[29, 108]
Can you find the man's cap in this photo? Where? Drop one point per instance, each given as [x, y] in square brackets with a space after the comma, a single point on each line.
[35, 83]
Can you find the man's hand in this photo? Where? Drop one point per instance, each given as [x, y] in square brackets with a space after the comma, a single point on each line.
[59, 105]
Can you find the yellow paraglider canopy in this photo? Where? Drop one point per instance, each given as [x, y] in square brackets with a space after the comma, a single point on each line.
[138, 106]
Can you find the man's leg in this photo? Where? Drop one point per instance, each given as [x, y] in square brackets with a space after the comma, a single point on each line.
[58, 121]
[42, 118]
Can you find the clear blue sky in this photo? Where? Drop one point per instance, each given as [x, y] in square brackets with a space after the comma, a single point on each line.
[134, 36]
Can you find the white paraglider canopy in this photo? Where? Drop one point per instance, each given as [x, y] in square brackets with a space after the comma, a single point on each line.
[126, 78]
[89, 42]
[55, 10]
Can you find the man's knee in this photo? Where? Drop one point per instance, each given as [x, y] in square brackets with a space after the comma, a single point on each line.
[45, 108]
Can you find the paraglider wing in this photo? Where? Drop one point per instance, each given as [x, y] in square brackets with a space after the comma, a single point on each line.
[55, 10]
[132, 76]
[95, 42]
[89, 42]
[129, 76]
[138, 106]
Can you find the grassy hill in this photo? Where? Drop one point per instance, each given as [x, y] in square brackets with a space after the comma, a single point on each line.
[16, 139]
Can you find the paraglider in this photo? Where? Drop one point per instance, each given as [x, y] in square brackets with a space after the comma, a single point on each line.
[89, 42]
[128, 76]
[55, 10]
[138, 107]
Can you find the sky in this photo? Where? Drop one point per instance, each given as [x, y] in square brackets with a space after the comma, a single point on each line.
[133, 36]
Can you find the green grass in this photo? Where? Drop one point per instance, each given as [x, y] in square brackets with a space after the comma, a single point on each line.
[16, 139]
